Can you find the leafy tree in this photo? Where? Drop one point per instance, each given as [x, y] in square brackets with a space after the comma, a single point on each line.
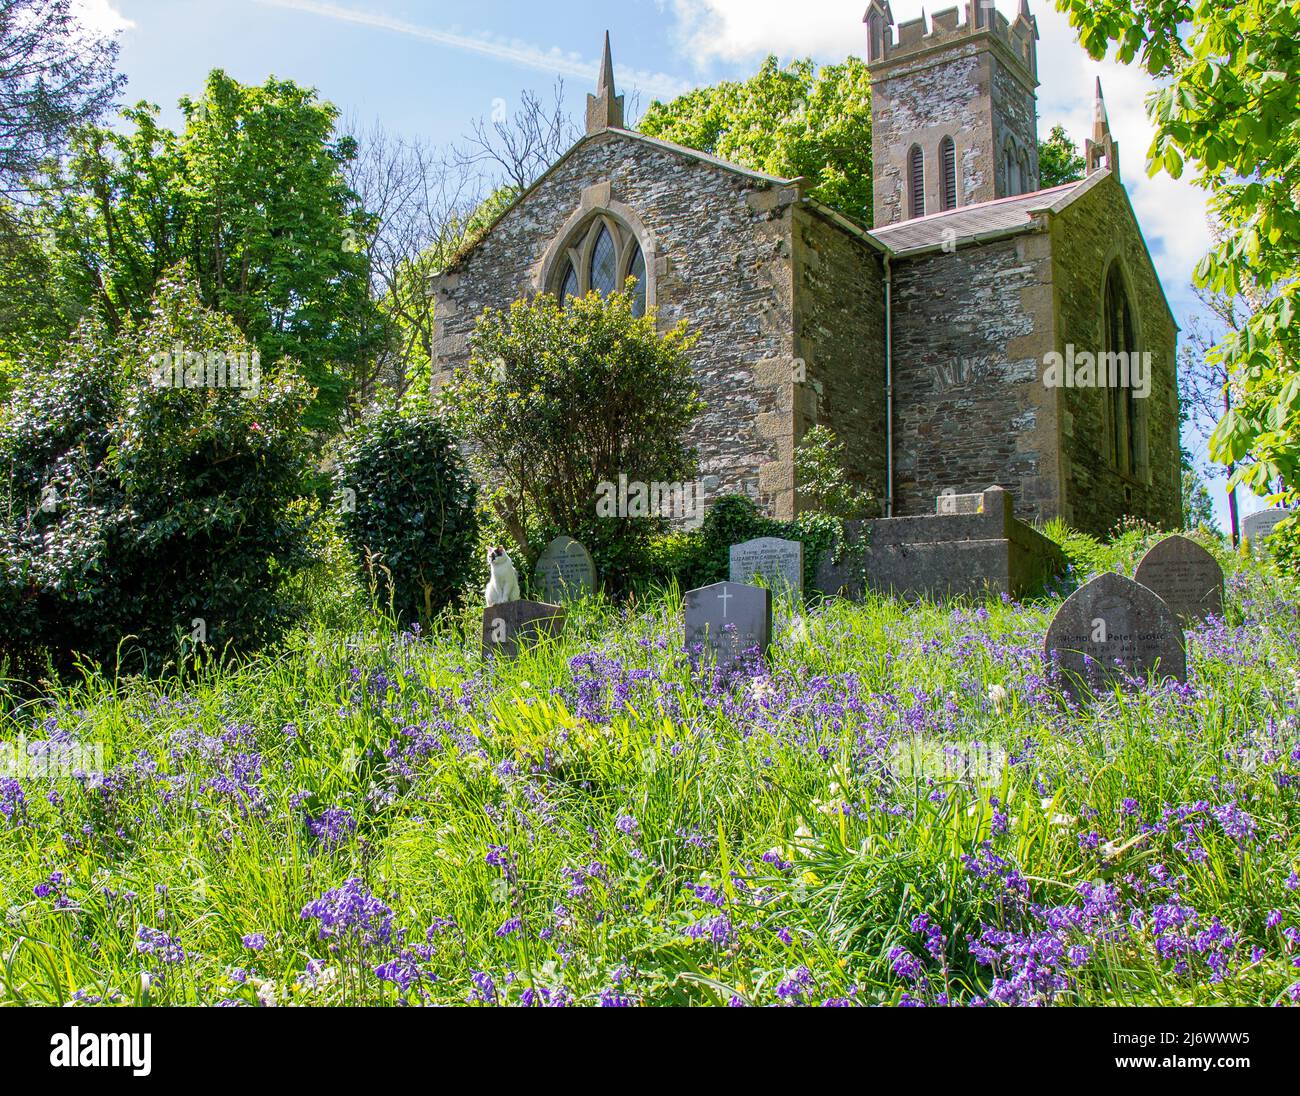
[253, 197]
[1228, 105]
[408, 508]
[1059, 160]
[1198, 507]
[799, 120]
[54, 75]
[556, 401]
[140, 510]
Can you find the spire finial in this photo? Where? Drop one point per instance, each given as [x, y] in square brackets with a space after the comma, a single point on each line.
[606, 81]
[1101, 146]
[605, 108]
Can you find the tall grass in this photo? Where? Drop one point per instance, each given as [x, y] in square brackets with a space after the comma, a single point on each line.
[898, 808]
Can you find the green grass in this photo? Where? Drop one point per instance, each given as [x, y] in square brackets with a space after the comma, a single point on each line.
[637, 800]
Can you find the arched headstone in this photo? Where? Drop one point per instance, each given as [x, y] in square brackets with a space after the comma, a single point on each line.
[777, 561]
[565, 571]
[1111, 628]
[1188, 579]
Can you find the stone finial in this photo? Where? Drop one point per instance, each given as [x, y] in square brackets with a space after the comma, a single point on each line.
[1101, 149]
[1026, 29]
[878, 19]
[605, 108]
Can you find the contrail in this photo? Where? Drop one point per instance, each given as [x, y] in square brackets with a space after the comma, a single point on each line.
[656, 84]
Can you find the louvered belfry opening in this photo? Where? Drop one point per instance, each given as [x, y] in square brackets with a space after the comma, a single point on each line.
[916, 182]
[948, 172]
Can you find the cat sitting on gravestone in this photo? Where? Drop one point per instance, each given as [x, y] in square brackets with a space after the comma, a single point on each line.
[504, 583]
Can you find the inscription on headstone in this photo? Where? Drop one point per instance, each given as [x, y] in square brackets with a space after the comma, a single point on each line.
[1260, 525]
[565, 571]
[1188, 579]
[728, 619]
[1113, 628]
[508, 626]
[952, 503]
[778, 562]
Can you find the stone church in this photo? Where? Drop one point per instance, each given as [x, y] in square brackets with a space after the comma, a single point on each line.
[923, 341]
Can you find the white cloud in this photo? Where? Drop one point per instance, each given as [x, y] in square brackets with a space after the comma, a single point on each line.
[1171, 212]
[101, 16]
[553, 61]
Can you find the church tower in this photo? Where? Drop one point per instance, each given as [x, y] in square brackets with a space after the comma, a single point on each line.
[953, 111]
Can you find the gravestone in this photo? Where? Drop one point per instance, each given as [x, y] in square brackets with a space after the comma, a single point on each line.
[728, 619]
[1111, 628]
[1188, 579]
[952, 503]
[1260, 525]
[778, 562]
[507, 626]
[565, 571]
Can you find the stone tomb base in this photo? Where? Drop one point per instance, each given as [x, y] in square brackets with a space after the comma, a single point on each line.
[972, 546]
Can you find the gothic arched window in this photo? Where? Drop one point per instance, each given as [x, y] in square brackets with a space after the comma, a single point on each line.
[1124, 421]
[915, 182]
[947, 174]
[600, 257]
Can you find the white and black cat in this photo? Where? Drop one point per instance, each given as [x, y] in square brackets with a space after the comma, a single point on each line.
[504, 584]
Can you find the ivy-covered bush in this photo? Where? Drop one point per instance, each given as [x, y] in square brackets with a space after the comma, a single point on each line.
[136, 512]
[702, 556]
[408, 509]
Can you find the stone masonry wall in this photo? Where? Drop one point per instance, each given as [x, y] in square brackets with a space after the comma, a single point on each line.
[969, 330]
[1095, 229]
[1015, 116]
[721, 246]
[840, 335]
[963, 89]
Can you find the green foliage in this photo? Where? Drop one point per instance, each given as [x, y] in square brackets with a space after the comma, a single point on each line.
[1227, 106]
[1059, 160]
[252, 195]
[1198, 506]
[134, 509]
[411, 517]
[823, 484]
[557, 401]
[702, 556]
[799, 120]
[1088, 556]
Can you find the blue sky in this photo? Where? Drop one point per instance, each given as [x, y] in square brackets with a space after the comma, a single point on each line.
[428, 67]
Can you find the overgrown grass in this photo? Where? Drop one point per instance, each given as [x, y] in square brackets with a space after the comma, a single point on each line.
[899, 808]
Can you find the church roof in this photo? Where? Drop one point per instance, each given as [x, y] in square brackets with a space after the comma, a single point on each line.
[1002, 216]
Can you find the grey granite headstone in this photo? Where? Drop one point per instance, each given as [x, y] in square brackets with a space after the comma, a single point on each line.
[565, 571]
[728, 619]
[1113, 627]
[507, 626]
[778, 562]
[1188, 579]
[1260, 525]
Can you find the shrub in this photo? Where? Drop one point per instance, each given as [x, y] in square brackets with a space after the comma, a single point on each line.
[413, 518]
[557, 400]
[130, 508]
[703, 556]
[823, 484]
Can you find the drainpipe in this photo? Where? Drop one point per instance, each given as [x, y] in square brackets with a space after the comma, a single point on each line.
[889, 390]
